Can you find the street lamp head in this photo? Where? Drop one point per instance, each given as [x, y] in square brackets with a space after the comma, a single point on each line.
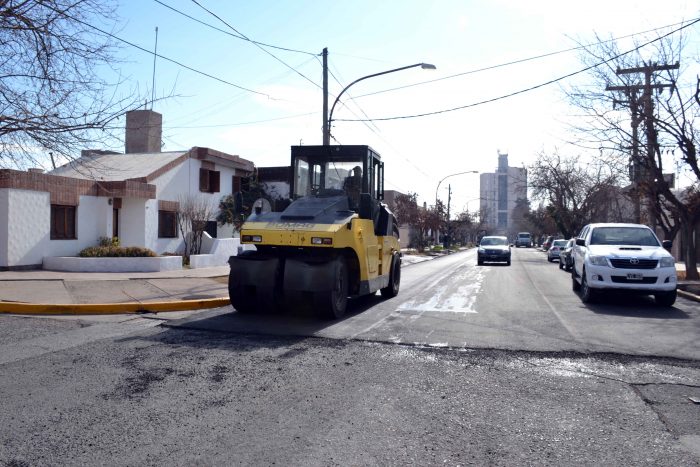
[428, 66]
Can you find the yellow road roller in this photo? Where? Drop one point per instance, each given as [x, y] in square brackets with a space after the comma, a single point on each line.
[335, 240]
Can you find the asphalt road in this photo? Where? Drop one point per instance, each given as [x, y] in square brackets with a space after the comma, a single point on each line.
[469, 365]
[451, 302]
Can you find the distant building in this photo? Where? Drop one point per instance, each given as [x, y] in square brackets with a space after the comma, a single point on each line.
[499, 193]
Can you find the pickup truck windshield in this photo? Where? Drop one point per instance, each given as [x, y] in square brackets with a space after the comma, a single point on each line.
[623, 236]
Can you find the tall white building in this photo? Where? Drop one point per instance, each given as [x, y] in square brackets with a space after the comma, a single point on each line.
[499, 193]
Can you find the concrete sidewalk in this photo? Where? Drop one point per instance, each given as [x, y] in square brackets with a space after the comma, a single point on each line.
[47, 292]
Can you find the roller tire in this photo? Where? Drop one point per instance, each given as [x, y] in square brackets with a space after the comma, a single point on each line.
[331, 304]
[392, 290]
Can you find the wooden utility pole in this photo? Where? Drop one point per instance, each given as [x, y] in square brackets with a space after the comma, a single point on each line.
[642, 168]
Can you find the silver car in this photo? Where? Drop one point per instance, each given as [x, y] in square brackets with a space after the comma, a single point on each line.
[555, 249]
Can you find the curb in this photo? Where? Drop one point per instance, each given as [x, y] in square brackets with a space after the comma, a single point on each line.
[110, 308]
[688, 295]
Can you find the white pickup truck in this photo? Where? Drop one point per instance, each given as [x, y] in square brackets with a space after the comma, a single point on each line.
[623, 257]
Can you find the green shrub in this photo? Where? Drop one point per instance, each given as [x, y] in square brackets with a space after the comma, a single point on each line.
[113, 251]
[108, 241]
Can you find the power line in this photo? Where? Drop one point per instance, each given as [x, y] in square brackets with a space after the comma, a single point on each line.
[166, 58]
[257, 45]
[252, 122]
[516, 62]
[523, 91]
[229, 33]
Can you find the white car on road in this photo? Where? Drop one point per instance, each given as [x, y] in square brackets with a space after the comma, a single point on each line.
[623, 257]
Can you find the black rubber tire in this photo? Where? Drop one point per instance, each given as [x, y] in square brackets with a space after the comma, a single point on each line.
[665, 298]
[575, 286]
[508, 262]
[561, 265]
[550, 260]
[588, 295]
[241, 303]
[392, 290]
[479, 262]
[332, 304]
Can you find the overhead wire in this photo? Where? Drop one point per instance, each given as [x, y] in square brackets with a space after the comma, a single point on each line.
[257, 45]
[516, 62]
[286, 49]
[168, 59]
[531, 88]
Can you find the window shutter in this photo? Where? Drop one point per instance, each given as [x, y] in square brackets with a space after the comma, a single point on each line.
[214, 181]
[203, 180]
[236, 184]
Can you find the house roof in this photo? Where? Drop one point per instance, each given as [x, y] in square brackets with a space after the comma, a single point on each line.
[115, 167]
[143, 167]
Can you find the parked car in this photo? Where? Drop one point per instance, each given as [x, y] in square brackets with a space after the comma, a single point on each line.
[547, 242]
[553, 252]
[565, 255]
[524, 239]
[623, 257]
[493, 249]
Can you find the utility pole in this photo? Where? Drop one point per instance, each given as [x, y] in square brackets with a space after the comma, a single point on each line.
[448, 237]
[642, 168]
[326, 129]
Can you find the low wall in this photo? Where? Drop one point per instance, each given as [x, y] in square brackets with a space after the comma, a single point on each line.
[220, 250]
[138, 264]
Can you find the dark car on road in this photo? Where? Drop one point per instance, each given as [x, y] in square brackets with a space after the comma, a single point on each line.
[565, 260]
[493, 249]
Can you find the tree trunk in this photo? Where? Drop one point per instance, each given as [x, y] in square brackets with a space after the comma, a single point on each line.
[691, 268]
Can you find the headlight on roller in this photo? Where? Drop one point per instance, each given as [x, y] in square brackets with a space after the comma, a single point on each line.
[667, 262]
[252, 238]
[321, 241]
[598, 260]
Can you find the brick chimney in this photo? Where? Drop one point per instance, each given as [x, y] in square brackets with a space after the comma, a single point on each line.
[144, 129]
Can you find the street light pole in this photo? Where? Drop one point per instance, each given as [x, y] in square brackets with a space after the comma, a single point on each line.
[327, 129]
[448, 176]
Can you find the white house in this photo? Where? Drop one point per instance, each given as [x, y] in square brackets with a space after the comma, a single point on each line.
[133, 196]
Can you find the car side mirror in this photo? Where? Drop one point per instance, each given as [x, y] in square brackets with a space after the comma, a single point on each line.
[667, 244]
[581, 241]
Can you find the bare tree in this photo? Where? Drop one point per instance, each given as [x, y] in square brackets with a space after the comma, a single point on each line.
[654, 130]
[423, 220]
[575, 194]
[193, 214]
[54, 98]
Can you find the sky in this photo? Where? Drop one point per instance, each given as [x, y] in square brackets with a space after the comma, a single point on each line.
[272, 99]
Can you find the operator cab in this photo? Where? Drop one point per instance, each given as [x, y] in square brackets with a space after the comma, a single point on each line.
[328, 171]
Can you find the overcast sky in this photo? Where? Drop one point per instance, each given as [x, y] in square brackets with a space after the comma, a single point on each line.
[272, 98]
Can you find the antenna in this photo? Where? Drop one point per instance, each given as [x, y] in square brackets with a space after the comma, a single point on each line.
[153, 85]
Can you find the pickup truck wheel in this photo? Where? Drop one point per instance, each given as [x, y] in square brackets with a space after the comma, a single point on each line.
[575, 286]
[665, 298]
[587, 294]
[392, 290]
[561, 265]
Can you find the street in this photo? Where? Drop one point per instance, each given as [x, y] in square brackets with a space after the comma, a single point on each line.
[467, 365]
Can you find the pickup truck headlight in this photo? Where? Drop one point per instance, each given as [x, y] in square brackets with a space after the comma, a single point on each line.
[598, 260]
[667, 262]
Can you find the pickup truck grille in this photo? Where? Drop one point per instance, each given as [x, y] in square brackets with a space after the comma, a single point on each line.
[633, 263]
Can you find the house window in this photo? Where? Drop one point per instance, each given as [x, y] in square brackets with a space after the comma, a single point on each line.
[167, 224]
[62, 222]
[241, 184]
[209, 181]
